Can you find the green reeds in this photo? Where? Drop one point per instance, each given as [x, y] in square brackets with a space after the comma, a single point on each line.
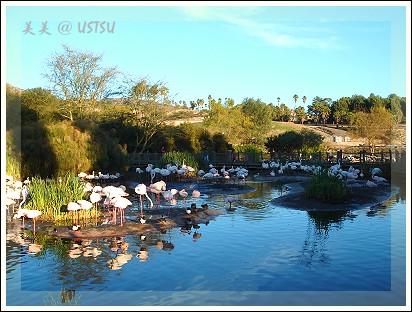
[179, 157]
[328, 189]
[52, 197]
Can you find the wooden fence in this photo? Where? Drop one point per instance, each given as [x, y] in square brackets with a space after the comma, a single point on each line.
[253, 160]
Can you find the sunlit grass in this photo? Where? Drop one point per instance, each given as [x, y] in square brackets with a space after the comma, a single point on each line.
[52, 197]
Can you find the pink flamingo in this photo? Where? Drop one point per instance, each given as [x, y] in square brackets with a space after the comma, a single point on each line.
[121, 203]
[184, 195]
[195, 194]
[157, 188]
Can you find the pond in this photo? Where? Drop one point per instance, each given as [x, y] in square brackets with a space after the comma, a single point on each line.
[259, 254]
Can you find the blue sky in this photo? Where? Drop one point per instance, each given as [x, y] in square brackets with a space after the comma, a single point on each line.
[239, 50]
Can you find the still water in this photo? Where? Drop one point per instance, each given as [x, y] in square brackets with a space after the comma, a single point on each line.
[258, 255]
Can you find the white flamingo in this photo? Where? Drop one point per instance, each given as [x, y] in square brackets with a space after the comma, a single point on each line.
[73, 207]
[95, 198]
[85, 205]
[230, 200]
[141, 190]
[33, 214]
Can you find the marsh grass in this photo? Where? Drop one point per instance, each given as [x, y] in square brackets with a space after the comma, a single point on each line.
[173, 157]
[327, 189]
[52, 197]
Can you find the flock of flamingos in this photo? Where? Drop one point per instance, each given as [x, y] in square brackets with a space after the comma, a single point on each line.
[18, 192]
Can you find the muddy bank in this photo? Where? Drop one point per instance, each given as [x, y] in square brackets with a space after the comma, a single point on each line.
[156, 220]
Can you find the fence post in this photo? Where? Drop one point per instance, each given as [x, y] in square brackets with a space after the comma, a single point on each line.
[381, 156]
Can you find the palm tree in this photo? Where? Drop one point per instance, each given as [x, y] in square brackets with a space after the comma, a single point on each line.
[295, 97]
[304, 99]
[278, 100]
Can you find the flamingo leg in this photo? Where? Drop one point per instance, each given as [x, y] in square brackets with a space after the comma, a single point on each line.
[34, 227]
[96, 213]
[114, 215]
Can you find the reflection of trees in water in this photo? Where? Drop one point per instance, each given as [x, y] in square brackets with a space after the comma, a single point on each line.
[259, 199]
[319, 225]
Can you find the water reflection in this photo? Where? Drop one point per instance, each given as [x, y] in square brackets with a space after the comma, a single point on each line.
[306, 244]
[67, 295]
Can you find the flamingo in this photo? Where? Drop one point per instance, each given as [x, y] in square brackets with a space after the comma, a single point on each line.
[8, 202]
[168, 196]
[21, 213]
[141, 190]
[85, 204]
[371, 184]
[230, 200]
[184, 195]
[195, 194]
[121, 203]
[157, 188]
[95, 198]
[25, 195]
[33, 214]
[73, 207]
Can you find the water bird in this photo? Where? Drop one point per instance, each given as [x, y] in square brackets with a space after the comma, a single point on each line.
[141, 190]
[76, 228]
[230, 200]
[183, 194]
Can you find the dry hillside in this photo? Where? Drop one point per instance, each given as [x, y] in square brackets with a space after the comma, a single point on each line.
[335, 138]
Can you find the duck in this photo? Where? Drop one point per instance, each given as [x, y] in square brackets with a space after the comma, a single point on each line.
[193, 208]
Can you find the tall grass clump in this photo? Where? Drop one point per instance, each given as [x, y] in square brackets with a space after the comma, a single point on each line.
[52, 197]
[178, 157]
[327, 189]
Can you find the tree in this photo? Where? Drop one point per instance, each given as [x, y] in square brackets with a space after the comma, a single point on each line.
[304, 99]
[146, 101]
[295, 98]
[79, 79]
[374, 126]
[40, 102]
[289, 141]
[320, 109]
[285, 112]
[300, 114]
[394, 106]
[340, 110]
[259, 113]
[278, 100]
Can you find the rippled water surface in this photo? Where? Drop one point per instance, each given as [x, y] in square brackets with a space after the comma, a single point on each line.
[257, 255]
